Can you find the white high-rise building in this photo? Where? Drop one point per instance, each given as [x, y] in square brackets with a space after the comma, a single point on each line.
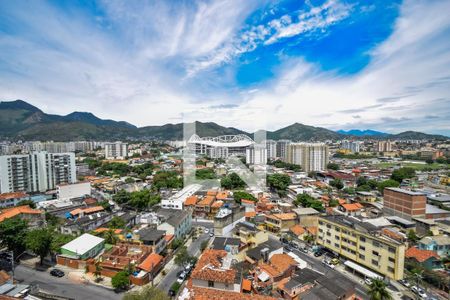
[271, 146]
[384, 146]
[117, 150]
[311, 157]
[36, 172]
[353, 146]
[282, 146]
[256, 155]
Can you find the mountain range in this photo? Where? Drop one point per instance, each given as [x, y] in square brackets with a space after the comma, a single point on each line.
[21, 120]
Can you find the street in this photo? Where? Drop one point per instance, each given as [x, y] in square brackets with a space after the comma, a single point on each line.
[193, 249]
[62, 286]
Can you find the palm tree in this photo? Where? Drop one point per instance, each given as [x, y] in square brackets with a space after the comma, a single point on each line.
[378, 290]
[98, 271]
[110, 237]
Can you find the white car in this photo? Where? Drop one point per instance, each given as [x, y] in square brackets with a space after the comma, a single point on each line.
[414, 289]
[206, 230]
[422, 294]
[368, 281]
[182, 277]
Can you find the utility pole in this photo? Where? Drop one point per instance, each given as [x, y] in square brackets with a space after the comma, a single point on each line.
[12, 265]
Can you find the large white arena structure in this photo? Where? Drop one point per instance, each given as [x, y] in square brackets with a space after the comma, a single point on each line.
[221, 146]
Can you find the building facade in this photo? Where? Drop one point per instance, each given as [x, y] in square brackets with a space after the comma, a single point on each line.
[36, 172]
[353, 146]
[256, 155]
[282, 146]
[404, 203]
[361, 242]
[312, 157]
[117, 150]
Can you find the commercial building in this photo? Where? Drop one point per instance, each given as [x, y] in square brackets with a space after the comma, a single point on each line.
[36, 172]
[83, 247]
[404, 203]
[312, 157]
[282, 146]
[256, 155]
[221, 146]
[74, 190]
[177, 200]
[362, 243]
[117, 150]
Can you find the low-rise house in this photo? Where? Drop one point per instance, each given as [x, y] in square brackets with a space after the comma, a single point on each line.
[82, 248]
[280, 222]
[175, 222]
[440, 244]
[12, 199]
[307, 216]
[249, 234]
[264, 251]
[290, 288]
[351, 209]
[203, 207]
[428, 259]
[330, 287]
[298, 232]
[34, 217]
[80, 212]
[365, 196]
[85, 223]
[270, 272]
[152, 237]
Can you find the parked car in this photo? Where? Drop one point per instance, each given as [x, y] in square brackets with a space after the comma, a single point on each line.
[414, 289]
[57, 273]
[318, 253]
[288, 248]
[206, 230]
[368, 281]
[404, 282]
[211, 234]
[182, 277]
[328, 263]
[422, 294]
[303, 249]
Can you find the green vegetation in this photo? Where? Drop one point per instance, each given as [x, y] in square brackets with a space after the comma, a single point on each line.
[285, 165]
[13, 232]
[412, 236]
[30, 203]
[39, 241]
[116, 222]
[143, 171]
[92, 162]
[167, 179]
[183, 258]
[239, 195]
[403, 173]
[175, 287]
[58, 240]
[232, 181]
[121, 280]
[148, 292]
[354, 156]
[206, 173]
[378, 290]
[387, 183]
[139, 200]
[415, 166]
[337, 183]
[113, 168]
[332, 166]
[307, 201]
[279, 182]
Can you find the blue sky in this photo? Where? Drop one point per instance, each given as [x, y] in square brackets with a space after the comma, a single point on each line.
[248, 64]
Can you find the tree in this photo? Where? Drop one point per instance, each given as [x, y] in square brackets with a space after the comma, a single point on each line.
[429, 161]
[60, 240]
[98, 271]
[333, 203]
[110, 237]
[116, 222]
[361, 181]
[412, 236]
[183, 258]
[148, 292]
[39, 241]
[30, 203]
[239, 195]
[279, 182]
[232, 181]
[333, 166]
[337, 183]
[403, 173]
[378, 290]
[121, 280]
[206, 173]
[122, 197]
[387, 183]
[13, 232]
[51, 219]
[307, 201]
[203, 245]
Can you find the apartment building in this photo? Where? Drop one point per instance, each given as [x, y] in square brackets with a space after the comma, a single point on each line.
[271, 147]
[311, 156]
[282, 146]
[280, 222]
[353, 146]
[384, 146]
[404, 203]
[362, 243]
[256, 155]
[117, 150]
[36, 172]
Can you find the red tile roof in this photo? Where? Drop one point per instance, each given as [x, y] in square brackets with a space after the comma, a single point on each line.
[250, 214]
[420, 255]
[191, 200]
[352, 207]
[297, 229]
[198, 293]
[15, 195]
[16, 211]
[209, 267]
[151, 262]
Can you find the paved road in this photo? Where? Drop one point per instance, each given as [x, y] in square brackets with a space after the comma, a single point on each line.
[63, 286]
[193, 249]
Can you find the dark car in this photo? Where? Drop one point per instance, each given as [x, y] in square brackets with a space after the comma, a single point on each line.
[303, 249]
[57, 273]
[318, 253]
[172, 293]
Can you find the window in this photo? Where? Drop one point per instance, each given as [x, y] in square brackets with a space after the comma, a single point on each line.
[336, 245]
[374, 262]
[337, 237]
[362, 239]
[391, 249]
[328, 226]
[376, 244]
[337, 229]
[391, 259]
[362, 256]
[210, 283]
[390, 269]
[375, 253]
[362, 248]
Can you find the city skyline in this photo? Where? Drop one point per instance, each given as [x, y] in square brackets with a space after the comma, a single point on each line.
[333, 64]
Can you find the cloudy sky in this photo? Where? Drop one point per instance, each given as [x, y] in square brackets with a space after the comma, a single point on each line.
[251, 64]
